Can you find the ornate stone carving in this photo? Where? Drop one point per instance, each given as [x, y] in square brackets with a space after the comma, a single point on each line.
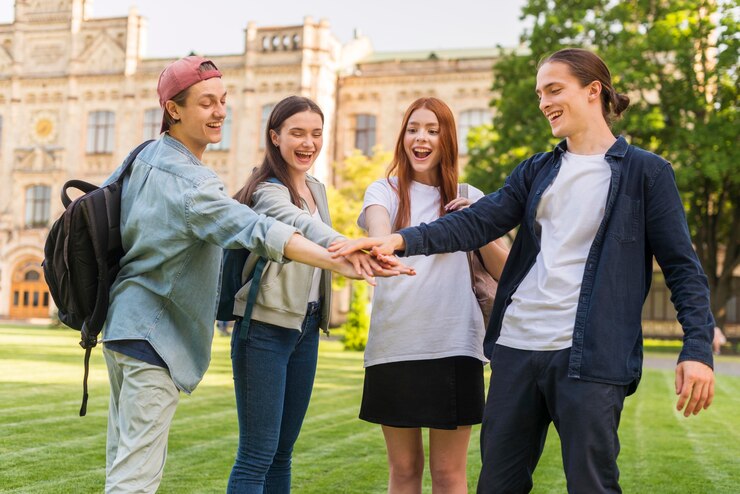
[38, 159]
[46, 56]
[103, 56]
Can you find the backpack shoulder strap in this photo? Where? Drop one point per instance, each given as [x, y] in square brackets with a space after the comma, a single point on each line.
[131, 158]
[463, 190]
[254, 289]
[103, 217]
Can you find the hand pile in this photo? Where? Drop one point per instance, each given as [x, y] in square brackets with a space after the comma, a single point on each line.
[372, 256]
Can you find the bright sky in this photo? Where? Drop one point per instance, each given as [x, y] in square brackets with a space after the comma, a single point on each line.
[176, 27]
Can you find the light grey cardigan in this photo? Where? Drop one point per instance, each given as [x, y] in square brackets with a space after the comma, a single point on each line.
[284, 288]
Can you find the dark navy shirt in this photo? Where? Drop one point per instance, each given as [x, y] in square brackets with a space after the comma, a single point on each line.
[138, 349]
[644, 218]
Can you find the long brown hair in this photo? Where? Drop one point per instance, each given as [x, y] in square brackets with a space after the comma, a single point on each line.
[446, 171]
[273, 165]
[588, 67]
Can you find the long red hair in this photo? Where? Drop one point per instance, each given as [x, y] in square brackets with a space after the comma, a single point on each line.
[446, 171]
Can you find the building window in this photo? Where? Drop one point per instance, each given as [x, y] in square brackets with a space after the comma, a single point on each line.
[38, 205]
[100, 132]
[365, 133]
[225, 143]
[152, 123]
[32, 276]
[266, 111]
[469, 119]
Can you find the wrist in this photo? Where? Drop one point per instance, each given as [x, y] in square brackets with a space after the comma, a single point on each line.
[399, 243]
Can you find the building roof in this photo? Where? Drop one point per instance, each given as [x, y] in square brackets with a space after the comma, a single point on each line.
[454, 54]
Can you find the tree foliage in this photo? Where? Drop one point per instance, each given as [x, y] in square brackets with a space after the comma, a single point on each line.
[678, 62]
[352, 176]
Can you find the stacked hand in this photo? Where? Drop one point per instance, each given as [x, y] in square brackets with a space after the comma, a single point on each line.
[379, 247]
[372, 257]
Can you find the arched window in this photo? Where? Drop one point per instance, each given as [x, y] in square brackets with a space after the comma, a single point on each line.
[38, 205]
[100, 132]
[32, 276]
[469, 119]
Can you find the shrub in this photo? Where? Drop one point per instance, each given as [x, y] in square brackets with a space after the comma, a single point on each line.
[358, 320]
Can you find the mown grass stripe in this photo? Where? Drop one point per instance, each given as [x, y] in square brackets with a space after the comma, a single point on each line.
[46, 447]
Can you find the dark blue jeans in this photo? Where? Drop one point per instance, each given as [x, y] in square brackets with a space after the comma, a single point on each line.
[528, 391]
[274, 369]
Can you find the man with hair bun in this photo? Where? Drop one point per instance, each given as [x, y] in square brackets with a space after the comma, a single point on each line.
[565, 335]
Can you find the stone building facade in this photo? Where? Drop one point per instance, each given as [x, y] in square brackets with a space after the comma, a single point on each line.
[76, 94]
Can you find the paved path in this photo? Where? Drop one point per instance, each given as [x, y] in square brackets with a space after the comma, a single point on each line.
[668, 362]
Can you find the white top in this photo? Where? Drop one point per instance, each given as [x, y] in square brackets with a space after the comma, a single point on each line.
[433, 314]
[542, 312]
[314, 293]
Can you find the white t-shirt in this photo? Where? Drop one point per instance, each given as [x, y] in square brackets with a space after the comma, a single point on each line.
[433, 314]
[542, 311]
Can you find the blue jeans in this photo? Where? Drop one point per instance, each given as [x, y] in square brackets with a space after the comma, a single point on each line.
[274, 369]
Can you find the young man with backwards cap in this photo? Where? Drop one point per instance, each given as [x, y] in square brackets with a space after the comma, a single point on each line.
[175, 218]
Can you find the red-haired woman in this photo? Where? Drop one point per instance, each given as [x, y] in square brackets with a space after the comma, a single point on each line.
[424, 357]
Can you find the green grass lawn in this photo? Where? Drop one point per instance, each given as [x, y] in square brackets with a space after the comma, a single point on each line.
[46, 448]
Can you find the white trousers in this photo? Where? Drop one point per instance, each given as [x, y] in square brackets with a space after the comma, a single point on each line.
[143, 400]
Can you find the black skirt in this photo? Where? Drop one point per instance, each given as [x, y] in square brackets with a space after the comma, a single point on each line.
[440, 393]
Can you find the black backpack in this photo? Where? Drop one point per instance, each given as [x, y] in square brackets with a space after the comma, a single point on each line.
[81, 258]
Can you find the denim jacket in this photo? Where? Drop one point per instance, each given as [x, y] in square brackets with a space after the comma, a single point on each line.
[175, 218]
[644, 217]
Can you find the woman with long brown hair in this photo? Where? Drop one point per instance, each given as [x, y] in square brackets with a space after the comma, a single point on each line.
[274, 353]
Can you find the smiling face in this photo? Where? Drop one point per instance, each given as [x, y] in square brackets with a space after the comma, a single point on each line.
[422, 147]
[570, 107]
[200, 118]
[300, 140]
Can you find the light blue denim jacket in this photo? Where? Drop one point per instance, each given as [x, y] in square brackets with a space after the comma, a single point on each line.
[175, 218]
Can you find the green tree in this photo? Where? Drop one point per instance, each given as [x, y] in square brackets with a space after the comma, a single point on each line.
[351, 177]
[678, 62]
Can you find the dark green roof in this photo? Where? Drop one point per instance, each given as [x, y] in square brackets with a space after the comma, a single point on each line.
[454, 54]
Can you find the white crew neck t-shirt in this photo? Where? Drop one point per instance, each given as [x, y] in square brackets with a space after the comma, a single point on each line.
[542, 312]
[433, 314]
